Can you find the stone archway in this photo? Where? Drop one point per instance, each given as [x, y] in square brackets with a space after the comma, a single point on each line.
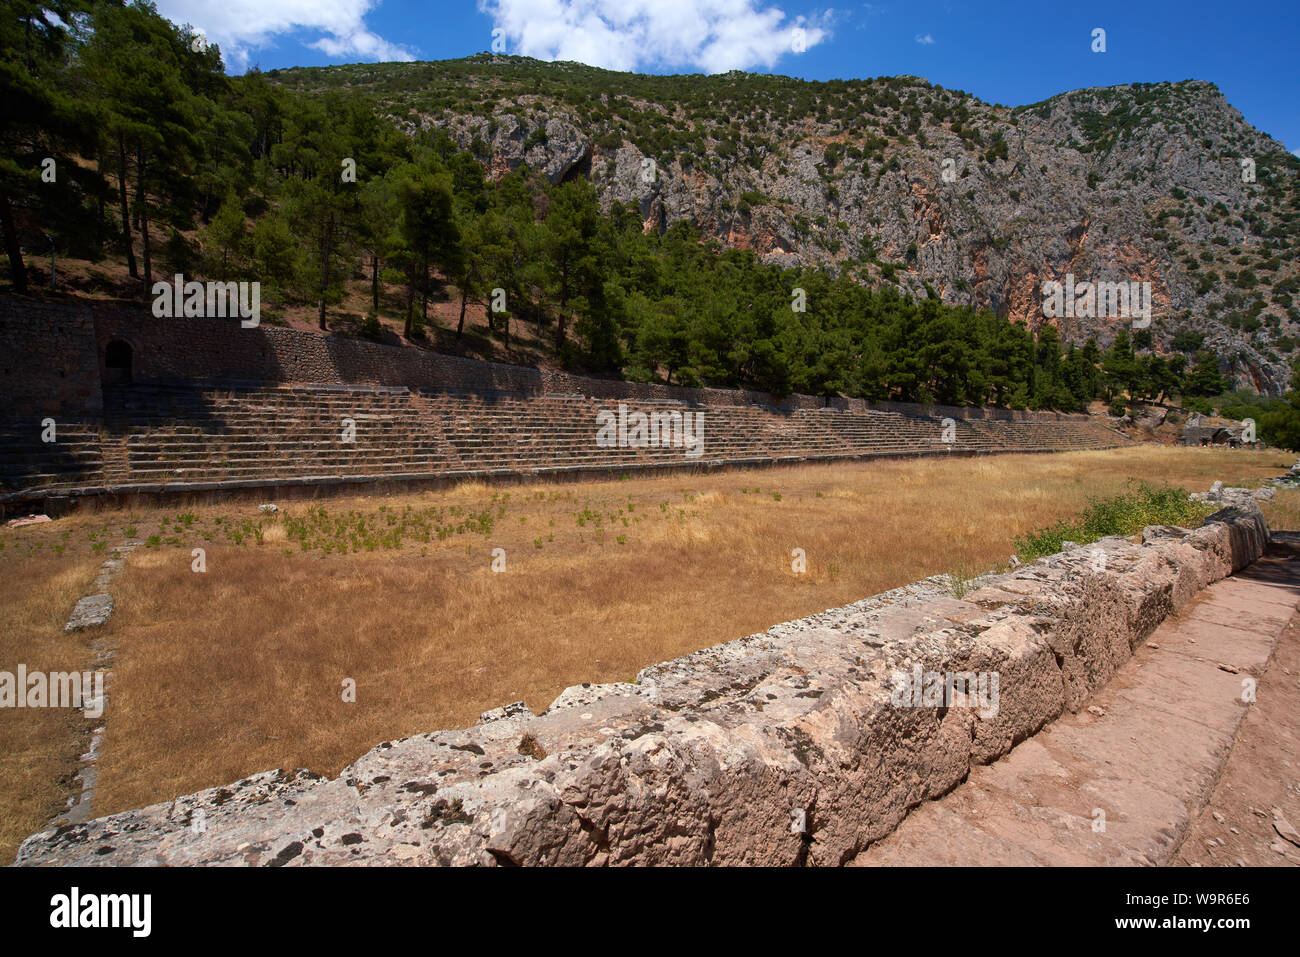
[118, 356]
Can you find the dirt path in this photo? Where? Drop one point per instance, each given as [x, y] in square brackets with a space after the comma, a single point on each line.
[1262, 773]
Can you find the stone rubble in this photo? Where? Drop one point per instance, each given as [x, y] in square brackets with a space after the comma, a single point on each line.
[26, 520]
[1290, 480]
[91, 611]
[1233, 496]
[1284, 827]
[95, 609]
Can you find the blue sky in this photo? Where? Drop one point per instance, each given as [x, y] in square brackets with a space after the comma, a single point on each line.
[1007, 52]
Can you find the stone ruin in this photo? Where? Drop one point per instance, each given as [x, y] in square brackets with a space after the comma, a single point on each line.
[143, 411]
[776, 749]
[1202, 430]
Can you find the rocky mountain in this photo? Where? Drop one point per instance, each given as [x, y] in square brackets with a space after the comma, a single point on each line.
[898, 181]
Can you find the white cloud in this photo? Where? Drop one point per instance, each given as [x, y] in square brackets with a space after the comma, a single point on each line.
[709, 35]
[924, 39]
[241, 26]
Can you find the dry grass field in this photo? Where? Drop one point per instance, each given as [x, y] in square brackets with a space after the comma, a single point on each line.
[240, 668]
[38, 746]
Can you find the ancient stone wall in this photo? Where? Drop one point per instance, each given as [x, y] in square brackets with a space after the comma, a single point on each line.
[70, 339]
[795, 746]
[49, 363]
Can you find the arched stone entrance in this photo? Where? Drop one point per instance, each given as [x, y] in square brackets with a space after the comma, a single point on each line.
[117, 363]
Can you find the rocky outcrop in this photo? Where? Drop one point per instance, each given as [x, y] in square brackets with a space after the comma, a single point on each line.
[1139, 182]
[1233, 497]
[801, 745]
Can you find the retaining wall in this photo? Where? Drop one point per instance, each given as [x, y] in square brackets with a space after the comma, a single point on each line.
[69, 340]
[49, 360]
[781, 748]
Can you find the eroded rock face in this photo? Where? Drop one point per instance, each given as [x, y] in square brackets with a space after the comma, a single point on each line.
[1127, 183]
[555, 147]
[796, 746]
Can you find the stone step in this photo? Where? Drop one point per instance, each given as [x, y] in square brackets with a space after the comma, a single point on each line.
[273, 431]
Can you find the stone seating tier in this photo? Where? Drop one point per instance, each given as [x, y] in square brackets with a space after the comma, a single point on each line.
[203, 433]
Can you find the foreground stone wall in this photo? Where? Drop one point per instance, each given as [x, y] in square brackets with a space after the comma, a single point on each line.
[781, 748]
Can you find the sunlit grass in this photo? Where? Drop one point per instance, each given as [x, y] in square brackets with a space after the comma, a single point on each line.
[1125, 513]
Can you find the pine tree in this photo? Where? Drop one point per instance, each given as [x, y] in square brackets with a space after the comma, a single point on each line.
[1205, 380]
[427, 227]
[569, 229]
[44, 125]
[138, 64]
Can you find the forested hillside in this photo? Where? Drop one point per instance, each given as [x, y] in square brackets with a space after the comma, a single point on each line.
[523, 198]
[1141, 182]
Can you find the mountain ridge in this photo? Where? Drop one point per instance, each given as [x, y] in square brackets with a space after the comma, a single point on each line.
[1133, 182]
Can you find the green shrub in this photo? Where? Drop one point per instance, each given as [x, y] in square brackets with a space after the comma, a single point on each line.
[1124, 514]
